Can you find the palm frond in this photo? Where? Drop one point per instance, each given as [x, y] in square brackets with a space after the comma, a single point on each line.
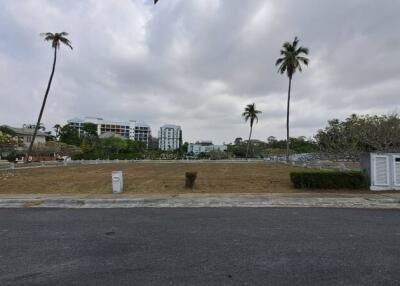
[66, 42]
[279, 61]
[287, 46]
[46, 34]
[295, 42]
[292, 58]
[56, 38]
[304, 60]
[282, 68]
[250, 112]
[49, 38]
[302, 50]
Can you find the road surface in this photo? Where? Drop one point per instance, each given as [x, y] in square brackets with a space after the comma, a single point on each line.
[200, 246]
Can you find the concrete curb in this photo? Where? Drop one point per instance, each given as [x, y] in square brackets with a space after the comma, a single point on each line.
[249, 201]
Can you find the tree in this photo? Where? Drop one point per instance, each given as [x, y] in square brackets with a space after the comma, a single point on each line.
[250, 112]
[271, 139]
[57, 130]
[113, 145]
[357, 134]
[238, 140]
[292, 59]
[89, 130]
[70, 135]
[55, 40]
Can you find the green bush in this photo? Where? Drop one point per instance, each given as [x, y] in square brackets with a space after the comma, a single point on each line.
[329, 180]
[190, 177]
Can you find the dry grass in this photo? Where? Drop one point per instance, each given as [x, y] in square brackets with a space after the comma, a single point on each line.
[142, 178]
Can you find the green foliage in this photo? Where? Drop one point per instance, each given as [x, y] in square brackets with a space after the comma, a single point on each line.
[190, 178]
[273, 147]
[184, 148]
[218, 155]
[89, 130]
[10, 145]
[12, 156]
[52, 147]
[111, 148]
[7, 140]
[328, 180]
[239, 150]
[292, 58]
[57, 130]
[250, 112]
[357, 134]
[69, 135]
[297, 145]
[6, 130]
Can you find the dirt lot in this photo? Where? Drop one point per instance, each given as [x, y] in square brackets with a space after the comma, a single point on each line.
[150, 178]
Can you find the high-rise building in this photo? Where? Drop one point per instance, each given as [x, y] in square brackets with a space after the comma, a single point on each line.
[132, 129]
[169, 137]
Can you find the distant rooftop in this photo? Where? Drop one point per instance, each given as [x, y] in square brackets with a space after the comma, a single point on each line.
[24, 131]
[170, 126]
[99, 120]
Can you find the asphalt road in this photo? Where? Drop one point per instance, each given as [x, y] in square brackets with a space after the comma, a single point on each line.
[218, 246]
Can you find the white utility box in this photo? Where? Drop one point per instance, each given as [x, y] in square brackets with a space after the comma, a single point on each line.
[383, 170]
[117, 182]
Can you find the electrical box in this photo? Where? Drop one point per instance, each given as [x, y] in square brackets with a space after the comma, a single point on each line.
[117, 182]
[383, 170]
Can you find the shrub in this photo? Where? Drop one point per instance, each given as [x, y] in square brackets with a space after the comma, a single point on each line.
[329, 180]
[190, 178]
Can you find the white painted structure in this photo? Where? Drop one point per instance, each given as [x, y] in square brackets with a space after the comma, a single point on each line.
[26, 135]
[383, 170]
[117, 182]
[204, 147]
[169, 137]
[132, 129]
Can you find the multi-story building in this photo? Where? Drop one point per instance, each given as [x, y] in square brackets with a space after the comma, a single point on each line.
[25, 135]
[132, 129]
[169, 137]
[204, 147]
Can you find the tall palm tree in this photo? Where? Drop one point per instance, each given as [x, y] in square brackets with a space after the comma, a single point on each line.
[250, 112]
[292, 59]
[55, 39]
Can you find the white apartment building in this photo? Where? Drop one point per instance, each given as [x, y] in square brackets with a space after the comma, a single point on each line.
[132, 129]
[169, 137]
[204, 147]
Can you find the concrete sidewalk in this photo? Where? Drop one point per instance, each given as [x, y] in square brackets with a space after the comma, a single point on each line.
[330, 200]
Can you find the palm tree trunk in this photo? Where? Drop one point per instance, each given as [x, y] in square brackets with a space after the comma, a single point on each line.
[43, 105]
[248, 143]
[287, 121]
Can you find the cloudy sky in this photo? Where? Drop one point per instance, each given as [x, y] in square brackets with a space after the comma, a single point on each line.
[197, 63]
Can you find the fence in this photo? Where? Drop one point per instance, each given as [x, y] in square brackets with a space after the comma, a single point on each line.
[317, 164]
[44, 164]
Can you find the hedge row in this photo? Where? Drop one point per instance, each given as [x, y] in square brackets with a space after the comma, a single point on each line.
[329, 180]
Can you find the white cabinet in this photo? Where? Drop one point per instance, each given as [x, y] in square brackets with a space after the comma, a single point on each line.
[384, 171]
[381, 170]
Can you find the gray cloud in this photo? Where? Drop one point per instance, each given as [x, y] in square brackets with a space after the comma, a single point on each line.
[198, 63]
